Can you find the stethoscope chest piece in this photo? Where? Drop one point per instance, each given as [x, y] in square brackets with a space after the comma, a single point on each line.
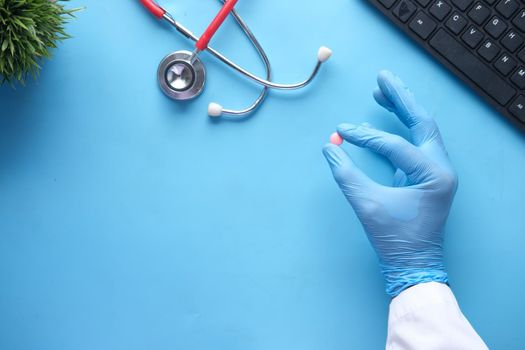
[181, 75]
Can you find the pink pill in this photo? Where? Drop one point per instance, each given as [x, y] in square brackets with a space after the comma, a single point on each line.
[336, 139]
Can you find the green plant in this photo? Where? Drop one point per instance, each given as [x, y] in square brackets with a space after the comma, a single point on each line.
[29, 29]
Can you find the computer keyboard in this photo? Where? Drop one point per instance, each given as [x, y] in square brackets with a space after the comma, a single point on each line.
[481, 41]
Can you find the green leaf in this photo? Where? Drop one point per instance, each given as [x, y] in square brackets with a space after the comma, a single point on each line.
[12, 47]
[20, 23]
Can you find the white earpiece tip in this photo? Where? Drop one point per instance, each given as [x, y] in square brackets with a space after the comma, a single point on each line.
[214, 110]
[324, 54]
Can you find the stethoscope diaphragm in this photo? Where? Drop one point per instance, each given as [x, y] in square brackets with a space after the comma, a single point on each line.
[181, 75]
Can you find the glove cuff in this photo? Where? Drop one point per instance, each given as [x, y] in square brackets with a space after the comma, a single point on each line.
[398, 281]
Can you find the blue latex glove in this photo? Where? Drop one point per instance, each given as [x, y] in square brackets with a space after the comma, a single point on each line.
[404, 222]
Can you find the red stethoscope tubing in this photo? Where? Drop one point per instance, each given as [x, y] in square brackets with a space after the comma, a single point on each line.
[152, 7]
[204, 40]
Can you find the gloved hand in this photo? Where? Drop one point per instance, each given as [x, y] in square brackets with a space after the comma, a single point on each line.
[404, 222]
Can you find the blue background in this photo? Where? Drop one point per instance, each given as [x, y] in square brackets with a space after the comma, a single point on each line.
[129, 221]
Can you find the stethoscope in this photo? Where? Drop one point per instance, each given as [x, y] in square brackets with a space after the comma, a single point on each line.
[182, 75]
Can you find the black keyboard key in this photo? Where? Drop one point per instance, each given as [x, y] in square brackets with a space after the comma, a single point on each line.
[404, 10]
[490, 2]
[507, 7]
[423, 3]
[456, 23]
[477, 71]
[462, 4]
[521, 55]
[495, 27]
[519, 20]
[440, 9]
[479, 13]
[517, 108]
[488, 50]
[518, 78]
[512, 41]
[387, 3]
[505, 64]
[422, 25]
[472, 37]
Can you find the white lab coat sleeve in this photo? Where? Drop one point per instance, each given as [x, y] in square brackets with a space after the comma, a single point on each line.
[427, 317]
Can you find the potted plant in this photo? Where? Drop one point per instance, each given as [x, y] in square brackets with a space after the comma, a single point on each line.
[29, 30]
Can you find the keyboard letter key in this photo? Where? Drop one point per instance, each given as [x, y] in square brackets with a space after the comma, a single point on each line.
[488, 50]
[517, 108]
[512, 41]
[479, 13]
[519, 20]
[456, 23]
[422, 25]
[518, 78]
[440, 9]
[472, 37]
[505, 64]
[495, 27]
[507, 7]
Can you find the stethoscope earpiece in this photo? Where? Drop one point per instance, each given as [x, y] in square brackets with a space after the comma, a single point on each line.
[181, 75]
[215, 110]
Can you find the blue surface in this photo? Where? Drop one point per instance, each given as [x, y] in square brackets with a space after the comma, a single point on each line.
[128, 221]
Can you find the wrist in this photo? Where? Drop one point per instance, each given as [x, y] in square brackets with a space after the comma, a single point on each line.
[398, 280]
